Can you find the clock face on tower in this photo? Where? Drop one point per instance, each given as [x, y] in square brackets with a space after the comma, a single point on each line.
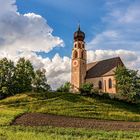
[75, 63]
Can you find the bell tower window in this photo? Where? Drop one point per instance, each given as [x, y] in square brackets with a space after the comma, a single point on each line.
[79, 45]
[82, 54]
[75, 54]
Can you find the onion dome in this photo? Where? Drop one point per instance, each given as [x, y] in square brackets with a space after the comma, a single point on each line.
[79, 35]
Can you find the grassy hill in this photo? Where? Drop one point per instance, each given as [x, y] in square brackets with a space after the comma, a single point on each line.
[69, 105]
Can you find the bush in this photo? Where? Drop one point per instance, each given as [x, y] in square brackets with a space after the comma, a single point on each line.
[64, 88]
[86, 89]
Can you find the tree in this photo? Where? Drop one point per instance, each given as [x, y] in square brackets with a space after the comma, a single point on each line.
[24, 74]
[6, 77]
[40, 81]
[86, 89]
[64, 88]
[127, 83]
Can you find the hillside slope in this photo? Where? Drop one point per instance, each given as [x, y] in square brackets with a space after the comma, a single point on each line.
[67, 104]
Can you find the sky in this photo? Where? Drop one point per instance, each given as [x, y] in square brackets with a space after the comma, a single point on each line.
[42, 31]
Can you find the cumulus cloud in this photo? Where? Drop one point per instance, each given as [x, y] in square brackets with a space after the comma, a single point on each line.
[128, 57]
[28, 32]
[24, 35]
[57, 68]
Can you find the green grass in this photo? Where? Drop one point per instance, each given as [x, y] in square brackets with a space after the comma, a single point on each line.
[54, 133]
[69, 105]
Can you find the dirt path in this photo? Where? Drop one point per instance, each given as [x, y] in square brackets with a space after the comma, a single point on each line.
[38, 119]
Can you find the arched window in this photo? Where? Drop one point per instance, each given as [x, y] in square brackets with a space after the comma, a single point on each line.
[75, 55]
[79, 45]
[100, 85]
[110, 83]
[75, 45]
[82, 54]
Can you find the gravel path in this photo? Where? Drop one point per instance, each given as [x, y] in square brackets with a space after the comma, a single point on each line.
[39, 119]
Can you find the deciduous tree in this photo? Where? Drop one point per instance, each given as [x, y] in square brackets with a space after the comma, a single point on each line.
[24, 75]
[40, 81]
[7, 70]
[128, 83]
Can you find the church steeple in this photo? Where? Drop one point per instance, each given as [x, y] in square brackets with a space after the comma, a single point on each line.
[79, 58]
[79, 35]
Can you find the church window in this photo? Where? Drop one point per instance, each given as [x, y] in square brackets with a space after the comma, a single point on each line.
[79, 45]
[82, 54]
[75, 54]
[100, 85]
[110, 83]
[75, 45]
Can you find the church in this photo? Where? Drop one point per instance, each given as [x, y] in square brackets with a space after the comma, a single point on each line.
[100, 73]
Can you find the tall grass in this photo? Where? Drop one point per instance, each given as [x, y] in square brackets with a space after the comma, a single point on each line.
[54, 133]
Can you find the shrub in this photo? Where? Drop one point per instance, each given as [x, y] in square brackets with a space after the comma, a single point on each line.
[86, 89]
[64, 88]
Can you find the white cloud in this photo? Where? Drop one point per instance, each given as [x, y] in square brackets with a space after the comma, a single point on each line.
[105, 40]
[23, 35]
[122, 29]
[7, 6]
[128, 57]
[121, 35]
[28, 32]
[129, 14]
[57, 68]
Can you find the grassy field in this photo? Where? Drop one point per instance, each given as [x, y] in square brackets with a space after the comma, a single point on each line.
[69, 105]
[54, 133]
[65, 104]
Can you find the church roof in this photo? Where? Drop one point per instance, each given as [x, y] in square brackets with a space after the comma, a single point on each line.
[100, 68]
[79, 35]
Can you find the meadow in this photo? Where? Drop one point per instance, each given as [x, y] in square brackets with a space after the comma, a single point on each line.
[69, 105]
[55, 133]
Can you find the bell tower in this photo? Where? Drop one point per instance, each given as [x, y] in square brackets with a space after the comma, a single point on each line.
[79, 60]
